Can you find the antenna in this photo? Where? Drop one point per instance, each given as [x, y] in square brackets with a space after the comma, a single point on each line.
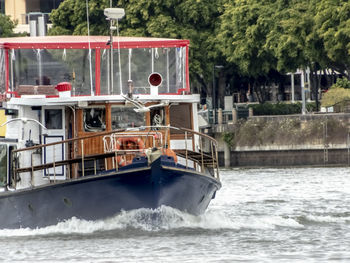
[114, 14]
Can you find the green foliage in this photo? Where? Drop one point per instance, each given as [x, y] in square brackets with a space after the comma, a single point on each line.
[70, 18]
[335, 96]
[260, 36]
[6, 26]
[244, 29]
[332, 25]
[280, 108]
[341, 83]
[228, 138]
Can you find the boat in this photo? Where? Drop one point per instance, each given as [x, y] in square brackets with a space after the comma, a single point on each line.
[81, 140]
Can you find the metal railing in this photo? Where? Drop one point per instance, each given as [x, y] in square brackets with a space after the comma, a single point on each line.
[193, 150]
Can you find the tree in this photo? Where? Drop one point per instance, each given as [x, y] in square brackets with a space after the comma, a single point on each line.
[286, 35]
[332, 24]
[244, 29]
[7, 26]
[245, 26]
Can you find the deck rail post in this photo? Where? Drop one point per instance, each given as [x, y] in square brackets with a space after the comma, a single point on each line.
[82, 158]
[54, 163]
[186, 153]
[32, 171]
[202, 156]
[216, 161]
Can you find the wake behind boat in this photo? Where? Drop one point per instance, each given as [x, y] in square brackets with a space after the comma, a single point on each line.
[79, 140]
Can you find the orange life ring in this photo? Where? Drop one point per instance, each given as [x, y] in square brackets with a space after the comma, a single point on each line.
[130, 143]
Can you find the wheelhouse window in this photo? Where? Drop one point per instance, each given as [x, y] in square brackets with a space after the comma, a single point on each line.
[94, 119]
[126, 117]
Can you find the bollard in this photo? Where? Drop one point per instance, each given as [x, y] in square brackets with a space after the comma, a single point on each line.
[227, 155]
[219, 116]
[234, 116]
[251, 112]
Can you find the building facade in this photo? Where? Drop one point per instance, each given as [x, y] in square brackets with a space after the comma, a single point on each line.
[25, 10]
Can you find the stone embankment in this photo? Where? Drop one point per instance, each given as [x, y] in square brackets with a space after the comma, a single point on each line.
[291, 140]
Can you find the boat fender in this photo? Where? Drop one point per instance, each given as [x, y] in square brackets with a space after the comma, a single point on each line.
[170, 153]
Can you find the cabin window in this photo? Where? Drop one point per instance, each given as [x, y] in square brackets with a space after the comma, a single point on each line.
[53, 119]
[3, 165]
[94, 119]
[180, 116]
[126, 117]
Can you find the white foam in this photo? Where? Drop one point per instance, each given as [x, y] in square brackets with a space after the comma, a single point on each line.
[163, 218]
[327, 219]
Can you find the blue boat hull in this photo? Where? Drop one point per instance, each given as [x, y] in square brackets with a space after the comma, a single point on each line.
[104, 195]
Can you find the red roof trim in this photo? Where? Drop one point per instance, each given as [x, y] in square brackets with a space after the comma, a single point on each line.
[82, 42]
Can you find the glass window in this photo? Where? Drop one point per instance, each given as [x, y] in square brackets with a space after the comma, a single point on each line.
[52, 66]
[126, 117]
[138, 63]
[94, 119]
[53, 119]
[43, 6]
[3, 165]
[2, 6]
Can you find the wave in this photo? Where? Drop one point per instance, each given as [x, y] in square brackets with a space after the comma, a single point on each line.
[156, 220]
[324, 219]
[163, 218]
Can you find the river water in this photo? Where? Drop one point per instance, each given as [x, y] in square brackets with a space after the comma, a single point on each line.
[259, 215]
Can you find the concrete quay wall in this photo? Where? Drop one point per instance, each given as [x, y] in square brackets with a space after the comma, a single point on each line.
[287, 158]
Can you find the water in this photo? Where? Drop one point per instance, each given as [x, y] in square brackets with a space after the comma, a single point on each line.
[260, 215]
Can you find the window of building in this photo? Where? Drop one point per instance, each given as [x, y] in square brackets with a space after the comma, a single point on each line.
[2, 6]
[43, 6]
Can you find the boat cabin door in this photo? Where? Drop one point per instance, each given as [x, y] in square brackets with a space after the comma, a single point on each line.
[53, 119]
